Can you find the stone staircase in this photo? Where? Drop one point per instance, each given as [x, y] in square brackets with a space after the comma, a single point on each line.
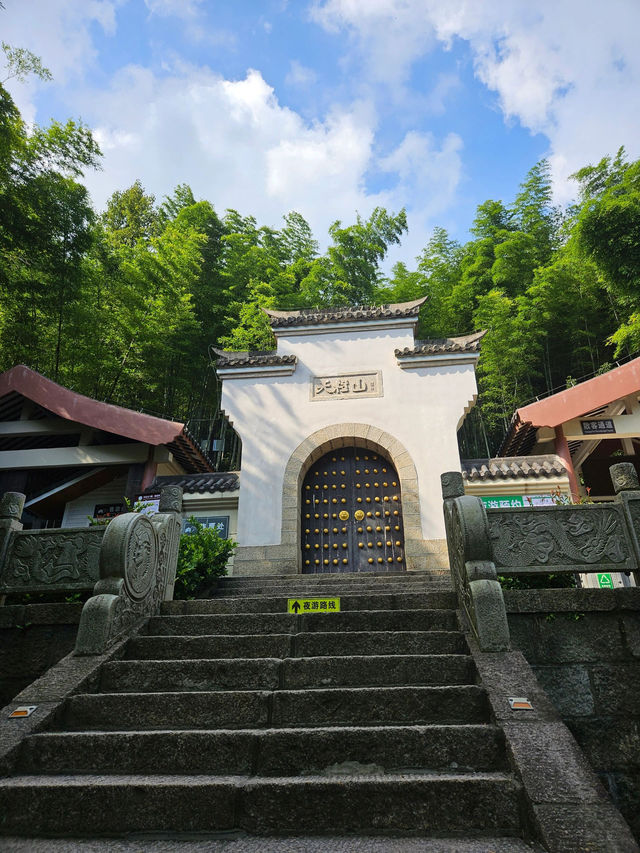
[229, 715]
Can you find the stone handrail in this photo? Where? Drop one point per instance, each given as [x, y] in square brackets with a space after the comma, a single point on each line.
[130, 565]
[580, 538]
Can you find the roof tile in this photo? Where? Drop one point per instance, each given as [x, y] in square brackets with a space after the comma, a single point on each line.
[436, 346]
[220, 481]
[512, 467]
[346, 314]
[256, 358]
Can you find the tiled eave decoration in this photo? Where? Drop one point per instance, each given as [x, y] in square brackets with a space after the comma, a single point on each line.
[232, 365]
[314, 320]
[227, 481]
[513, 468]
[441, 351]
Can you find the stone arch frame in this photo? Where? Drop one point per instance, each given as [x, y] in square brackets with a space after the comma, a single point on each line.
[347, 435]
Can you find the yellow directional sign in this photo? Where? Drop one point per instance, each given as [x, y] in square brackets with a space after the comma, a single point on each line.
[313, 605]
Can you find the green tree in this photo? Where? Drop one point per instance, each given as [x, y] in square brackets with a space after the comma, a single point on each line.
[131, 216]
[45, 226]
[349, 273]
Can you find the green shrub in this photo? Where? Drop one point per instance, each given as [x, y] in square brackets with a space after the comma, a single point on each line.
[202, 556]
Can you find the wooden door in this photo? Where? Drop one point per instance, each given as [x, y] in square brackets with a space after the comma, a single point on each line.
[352, 514]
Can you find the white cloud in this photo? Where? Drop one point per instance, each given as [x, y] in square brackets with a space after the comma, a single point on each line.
[429, 175]
[59, 33]
[234, 143]
[566, 68]
[185, 9]
[390, 35]
[300, 75]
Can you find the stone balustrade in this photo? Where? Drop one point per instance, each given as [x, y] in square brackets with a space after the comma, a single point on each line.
[130, 565]
[521, 541]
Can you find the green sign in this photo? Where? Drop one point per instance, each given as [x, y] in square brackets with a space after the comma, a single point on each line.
[605, 581]
[506, 501]
[503, 501]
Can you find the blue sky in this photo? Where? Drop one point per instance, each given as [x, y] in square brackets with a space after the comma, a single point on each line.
[331, 107]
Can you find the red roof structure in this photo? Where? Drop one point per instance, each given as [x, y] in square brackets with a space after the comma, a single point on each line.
[590, 398]
[71, 406]
[553, 411]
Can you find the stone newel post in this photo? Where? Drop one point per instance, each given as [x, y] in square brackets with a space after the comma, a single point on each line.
[11, 506]
[627, 488]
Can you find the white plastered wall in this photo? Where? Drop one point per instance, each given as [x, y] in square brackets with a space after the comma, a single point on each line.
[421, 407]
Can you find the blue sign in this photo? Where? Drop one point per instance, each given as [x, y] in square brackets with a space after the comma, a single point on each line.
[218, 522]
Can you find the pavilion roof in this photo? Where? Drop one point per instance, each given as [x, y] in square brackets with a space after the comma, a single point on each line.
[21, 381]
[585, 397]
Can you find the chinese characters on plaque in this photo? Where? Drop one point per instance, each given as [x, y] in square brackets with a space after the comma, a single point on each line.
[346, 386]
[602, 426]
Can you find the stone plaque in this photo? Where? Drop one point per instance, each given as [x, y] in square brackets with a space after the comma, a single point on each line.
[346, 386]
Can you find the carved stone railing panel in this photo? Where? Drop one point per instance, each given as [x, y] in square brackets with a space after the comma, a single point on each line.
[534, 540]
[578, 538]
[51, 560]
[130, 565]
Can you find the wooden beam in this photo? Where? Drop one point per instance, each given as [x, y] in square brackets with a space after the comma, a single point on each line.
[46, 426]
[65, 457]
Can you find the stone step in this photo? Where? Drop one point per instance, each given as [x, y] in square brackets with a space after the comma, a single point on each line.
[297, 645]
[440, 600]
[269, 752]
[313, 591]
[242, 843]
[435, 803]
[335, 581]
[283, 623]
[291, 673]
[337, 577]
[236, 709]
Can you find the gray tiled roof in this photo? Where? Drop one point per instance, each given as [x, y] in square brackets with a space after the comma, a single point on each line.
[347, 314]
[512, 467]
[435, 346]
[252, 358]
[225, 481]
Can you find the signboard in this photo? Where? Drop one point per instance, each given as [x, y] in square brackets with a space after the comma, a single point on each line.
[507, 501]
[599, 427]
[313, 605]
[605, 581]
[346, 386]
[151, 504]
[218, 522]
[102, 511]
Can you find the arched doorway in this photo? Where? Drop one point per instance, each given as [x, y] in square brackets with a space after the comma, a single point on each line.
[352, 513]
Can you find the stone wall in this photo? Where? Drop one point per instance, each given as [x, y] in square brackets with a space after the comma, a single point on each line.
[33, 637]
[584, 646]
